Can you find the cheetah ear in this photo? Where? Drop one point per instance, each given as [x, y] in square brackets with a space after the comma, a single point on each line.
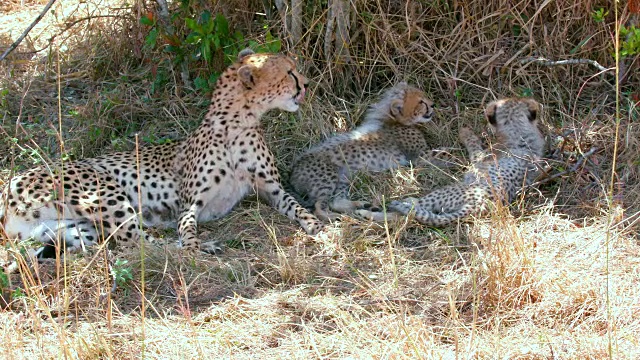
[396, 107]
[534, 108]
[244, 53]
[490, 112]
[245, 74]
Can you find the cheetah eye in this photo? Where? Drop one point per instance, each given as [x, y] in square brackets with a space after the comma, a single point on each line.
[295, 78]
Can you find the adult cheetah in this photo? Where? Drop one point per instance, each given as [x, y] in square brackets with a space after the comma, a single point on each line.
[494, 176]
[387, 138]
[198, 179]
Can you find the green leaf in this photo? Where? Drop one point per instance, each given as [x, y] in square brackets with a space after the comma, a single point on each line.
[222, 27]
[4, 279]
[151, 38]
[173, 49]
[213, 78]
[193, 25]
[144, 20]
[273, 45]
[206, 51]
[238, 37]
[193, 38]
[201, 83]
[205, 17]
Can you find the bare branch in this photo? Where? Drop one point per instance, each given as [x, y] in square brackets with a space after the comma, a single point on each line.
[296, 21]
[343, 39]
[547, 62]
[572, 169]
[328, 34]
[26, 32]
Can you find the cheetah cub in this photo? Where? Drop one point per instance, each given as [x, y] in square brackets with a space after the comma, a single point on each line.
[494, 176]
[387, 138]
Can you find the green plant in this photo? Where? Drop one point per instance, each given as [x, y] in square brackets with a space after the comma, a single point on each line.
[4, 280]
[209, 34]
[631, 44]
[155, 140]
[197, 40]
[599, 15]
[17, 294]
[122, 273]
[526, 92]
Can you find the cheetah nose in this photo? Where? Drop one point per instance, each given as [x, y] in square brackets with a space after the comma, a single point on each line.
[300, 96]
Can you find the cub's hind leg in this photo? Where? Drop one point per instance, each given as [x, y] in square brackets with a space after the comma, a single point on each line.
[341, 202]
[317, 179]
[444, 205]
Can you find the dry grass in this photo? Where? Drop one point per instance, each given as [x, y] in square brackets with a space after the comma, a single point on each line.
[555, 276]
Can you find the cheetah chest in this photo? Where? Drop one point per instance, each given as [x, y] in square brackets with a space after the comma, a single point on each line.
[230, 176]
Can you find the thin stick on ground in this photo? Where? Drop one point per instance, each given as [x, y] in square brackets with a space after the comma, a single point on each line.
[572, 169]
[547, 62]
[26, 32]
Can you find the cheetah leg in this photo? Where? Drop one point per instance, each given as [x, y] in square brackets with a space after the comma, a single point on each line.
[271, 190]
[343, 205]
[321, 210]
[341, 202]
[187, 232]
[473, 144]
[443, 206]
[87, 212]
[379, 216]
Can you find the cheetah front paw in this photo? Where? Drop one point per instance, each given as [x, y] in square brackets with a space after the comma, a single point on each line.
[379, 215]
[212, 247]
[403, 206]
[465, 133]
[312, 225]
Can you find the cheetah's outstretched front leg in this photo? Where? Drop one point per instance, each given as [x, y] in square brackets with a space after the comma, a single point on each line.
[271, 190]
[473, 144]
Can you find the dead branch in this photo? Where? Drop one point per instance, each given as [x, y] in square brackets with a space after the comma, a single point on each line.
[343, 40]
[328, 34]
[69, 26]
[296, 21]
[26, 32]
[547, 62]
[291, 16]
[163, 14]
[572, 169]
[338, 19]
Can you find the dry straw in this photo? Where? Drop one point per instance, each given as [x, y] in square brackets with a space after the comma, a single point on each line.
[552, 276]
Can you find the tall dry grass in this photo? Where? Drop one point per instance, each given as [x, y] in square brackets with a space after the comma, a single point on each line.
[555, 275]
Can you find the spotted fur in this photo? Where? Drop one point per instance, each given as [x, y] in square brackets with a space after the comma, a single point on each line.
[387, 138]
[494, 176]
[183, 183]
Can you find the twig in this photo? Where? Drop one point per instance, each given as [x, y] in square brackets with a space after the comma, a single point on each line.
[26, 32]
[296, 21]
[572, 169]
[547, 62]
[69, 26]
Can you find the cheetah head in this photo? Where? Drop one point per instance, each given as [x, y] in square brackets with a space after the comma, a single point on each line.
[409, 105]
[271, 80]
[515, 122]
[513, 113]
